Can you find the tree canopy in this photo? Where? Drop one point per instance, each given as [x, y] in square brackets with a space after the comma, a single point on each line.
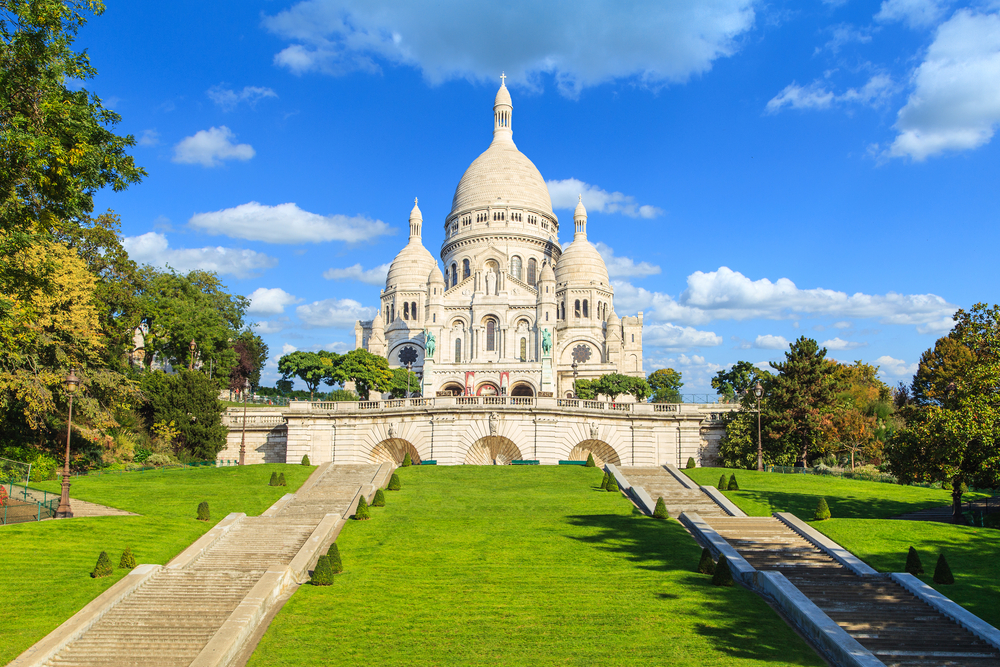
[310, 367]
[665, 385]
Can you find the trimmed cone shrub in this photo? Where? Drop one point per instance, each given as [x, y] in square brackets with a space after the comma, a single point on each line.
[127, 561]
[661, 510]
[274, 479]
[203, 514]
[822, 512]
[690, 462]
[407, 461]
[913, 564]
[322, 573]
[723, 483]
[612, 484]
[281, 480]
[733, 486]
[394, 484]
[722, 576]
[379, 499]
[333, 554]
[942, 573]
[590, 461]
[305, 459]
[362, 513]
[604, 481]
[706, 565]
[103, 567]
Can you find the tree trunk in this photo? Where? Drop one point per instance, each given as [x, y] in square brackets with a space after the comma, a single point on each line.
[956, 501]
[852, 460]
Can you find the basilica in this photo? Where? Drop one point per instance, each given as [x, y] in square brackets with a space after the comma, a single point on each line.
[512, 313]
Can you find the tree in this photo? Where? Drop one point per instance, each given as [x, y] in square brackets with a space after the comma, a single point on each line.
[739, 380]
[613, 385]
[310, 367]
[584, 389]
[190, 400]
[665, 385]
[853, 430]
[368, 371]
[940, 366]
[403, 380]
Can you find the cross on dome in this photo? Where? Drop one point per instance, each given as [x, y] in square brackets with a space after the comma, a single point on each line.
[502, 77]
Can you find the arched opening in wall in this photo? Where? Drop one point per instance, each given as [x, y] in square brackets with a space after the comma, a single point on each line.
[524, 349]
[454, 274]
[576, 308]
[586, 309]
[466, 272]
[491, 335]
[454, 388]
[413, 309]
[487, 389]
[492, 450]
[522, 389]
[602, 451]
[515, 267]
[458, 350]
[406, 311]
[532, 270]
[393, 450]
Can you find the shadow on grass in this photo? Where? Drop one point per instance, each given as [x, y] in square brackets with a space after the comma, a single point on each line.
[736, 621]
[803, 505]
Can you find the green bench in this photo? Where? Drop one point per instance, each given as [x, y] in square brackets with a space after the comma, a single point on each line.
[524, 462]
[572, 463]
[432, 462]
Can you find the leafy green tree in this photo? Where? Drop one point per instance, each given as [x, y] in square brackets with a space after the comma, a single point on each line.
[613, 385]
[255, 350]
[394, 483]
[203, 512]
[190, 400]
[127, 561]
[666, 386]
[323, 572]
[822, 512]
[660, 511]
[333, 553]
[584, 389]
[739, 380]
[103, 567]
[941, 366]
[368, 371]
[403, 380]
[310, 367]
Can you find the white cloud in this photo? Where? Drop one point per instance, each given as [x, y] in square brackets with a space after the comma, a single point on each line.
[211, 147]
[154, 249]
[876, 92]
[271, 326]
[624, 267]
[336, 313]
[841, 325]
[769, 342]
[673, 337]
[566, 193]
[654, 41]
[895, 367]
[955, 104]
[287, 223]
[270, 301]
[840, 344]
[229, 99]
[148, 138]
[729, 295]
[845, 34]
[914, 13]
[373, 276]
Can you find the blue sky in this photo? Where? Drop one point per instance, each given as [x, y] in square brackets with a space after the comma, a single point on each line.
[753, 172]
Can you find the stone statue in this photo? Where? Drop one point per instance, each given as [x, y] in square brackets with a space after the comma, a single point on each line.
[491, 282]
[430, 344]
[391, 436]
[494, 423]
[594, 432]
[546, 341]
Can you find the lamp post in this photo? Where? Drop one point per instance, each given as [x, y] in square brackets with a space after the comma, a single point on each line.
[65, 511]
[191, 347]
[575, 366]
[758, 391]
[243, 433]
[409, 365]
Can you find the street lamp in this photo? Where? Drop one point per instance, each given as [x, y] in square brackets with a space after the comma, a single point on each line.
[191, 347]
[575, 367]
[409, 365]
[758, 391]
[65, 511]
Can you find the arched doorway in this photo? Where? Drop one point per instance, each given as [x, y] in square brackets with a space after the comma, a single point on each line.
[487, 389]
[602, 451]
[453, 388]
[522, 389]
[492, 450]
[393, 450]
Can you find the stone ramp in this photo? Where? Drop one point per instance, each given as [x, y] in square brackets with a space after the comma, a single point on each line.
[659, 483]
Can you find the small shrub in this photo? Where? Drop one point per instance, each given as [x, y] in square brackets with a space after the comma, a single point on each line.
[661, 510]
[733, 486]
[305, 459]
[612, 484]
[604, 481]
[942, 573]
[394, 484]
[822, 512]
[103, 567]
[127, 561]
[333, 554]
[158, 460]
[274, 479]
[690, 463]
[407, 461]
[706, 565]
[590, 461]
[723, 576]
[322, 573]
[723, 483]
[379, 499]
[203, 514]
[362, 513]
[281, 480]
[913, 564]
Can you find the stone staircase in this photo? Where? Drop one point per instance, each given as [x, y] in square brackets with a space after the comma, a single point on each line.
[659, 483]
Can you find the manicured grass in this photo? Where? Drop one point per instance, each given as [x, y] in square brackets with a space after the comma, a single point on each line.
[45, 573]
[470, 565]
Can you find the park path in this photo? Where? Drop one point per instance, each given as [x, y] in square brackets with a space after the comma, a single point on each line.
[897, 627]
[170, 619]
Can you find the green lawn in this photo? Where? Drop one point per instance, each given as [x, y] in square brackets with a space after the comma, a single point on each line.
[45, 572]
[471, 565]
[860, 510]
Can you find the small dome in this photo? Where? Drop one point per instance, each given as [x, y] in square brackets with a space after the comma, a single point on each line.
[547, 274]
[435, 277]
[580, 264]
[503, 97]
[580, 209]
[411, 267]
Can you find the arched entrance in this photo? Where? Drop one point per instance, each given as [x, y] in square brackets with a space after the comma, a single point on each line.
[492, 450]
[522, 389]
[454, 388]
[487, 389]
[602, 451]
[394, 450]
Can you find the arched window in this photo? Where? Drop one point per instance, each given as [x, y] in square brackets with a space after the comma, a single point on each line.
[491, 335]
[465, 269]
[434, 317]
[515, 267]
[586, 312]
[387, 314]
[392, 313]
[454, 274]
[458, 350]
[406, 311]
[532, 268]
[413, 308]
[524, 349]
[576, 308]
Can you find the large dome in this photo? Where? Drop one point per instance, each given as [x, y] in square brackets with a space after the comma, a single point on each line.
[502, 173]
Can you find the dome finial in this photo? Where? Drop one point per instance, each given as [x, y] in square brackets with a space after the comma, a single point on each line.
[416, 219]
[580, 219]
[502, 77]
[502, 110]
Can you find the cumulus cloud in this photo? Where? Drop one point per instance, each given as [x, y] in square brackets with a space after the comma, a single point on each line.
[373, 276]
[287, 223]
[336, 313]
[769, 342]
[955, 103]
[270, 301]
[845, 34]
[154, 249]
[840, 344]
[895, 367]
[566, 193]
[624, 267]
[674, 337]
[729, 295]
[874, 93]
[229, 99]
[914, 13]
[148, 138]
[211, 147]
[654, 41]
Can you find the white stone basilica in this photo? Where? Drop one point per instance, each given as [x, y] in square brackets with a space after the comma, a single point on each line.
[512, 313]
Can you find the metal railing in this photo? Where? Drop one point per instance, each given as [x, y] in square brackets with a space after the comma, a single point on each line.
[234, 417]
[20, 504]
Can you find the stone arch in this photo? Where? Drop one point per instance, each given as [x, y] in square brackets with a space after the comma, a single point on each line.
[487, 388]
[522, 388]
[602, 451]
[393, 450]
[455, 387]
[492, 450]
